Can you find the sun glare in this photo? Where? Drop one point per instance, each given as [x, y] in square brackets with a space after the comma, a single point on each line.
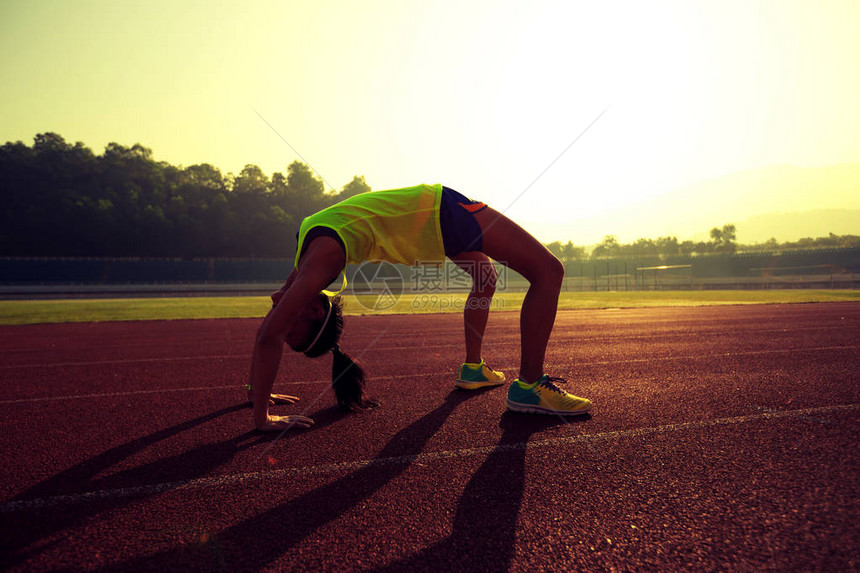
[482, 96]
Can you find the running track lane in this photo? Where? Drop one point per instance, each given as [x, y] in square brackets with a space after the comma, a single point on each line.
[721, 438]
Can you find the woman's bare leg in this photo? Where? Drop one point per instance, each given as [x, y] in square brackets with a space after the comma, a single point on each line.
[477, 310]
[508, 243]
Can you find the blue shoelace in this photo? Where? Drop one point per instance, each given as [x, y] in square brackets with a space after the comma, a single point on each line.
[550, 381]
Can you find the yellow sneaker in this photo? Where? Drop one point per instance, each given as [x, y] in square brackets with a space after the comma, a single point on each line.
[474, 376]
[544, 397]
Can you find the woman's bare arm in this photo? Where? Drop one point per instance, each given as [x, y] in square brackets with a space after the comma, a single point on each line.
[278, 294]
[323, 260]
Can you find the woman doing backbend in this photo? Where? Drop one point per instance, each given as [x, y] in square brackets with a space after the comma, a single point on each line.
[414, 225]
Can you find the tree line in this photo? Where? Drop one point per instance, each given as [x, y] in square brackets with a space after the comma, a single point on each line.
[60, 199]
[722, 240]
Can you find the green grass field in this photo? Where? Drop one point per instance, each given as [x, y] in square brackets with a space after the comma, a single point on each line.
[14, 312]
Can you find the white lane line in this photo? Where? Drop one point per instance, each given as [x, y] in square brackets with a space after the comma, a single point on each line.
[429, 374]
[124, 361]
[235, 387]
[119, 394]
[226, 480]
[513, 339]
[717, 355]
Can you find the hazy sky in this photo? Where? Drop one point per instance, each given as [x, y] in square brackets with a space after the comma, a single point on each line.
[479, 95]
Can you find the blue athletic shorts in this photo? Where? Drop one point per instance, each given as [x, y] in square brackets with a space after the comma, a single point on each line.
[460, 230]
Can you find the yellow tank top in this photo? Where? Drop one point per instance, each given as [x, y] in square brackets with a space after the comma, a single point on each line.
[397, 226]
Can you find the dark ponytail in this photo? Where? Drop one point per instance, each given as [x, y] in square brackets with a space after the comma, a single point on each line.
[347, 379]
[347, 376]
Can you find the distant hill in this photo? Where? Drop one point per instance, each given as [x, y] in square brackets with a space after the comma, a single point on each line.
[783, 201]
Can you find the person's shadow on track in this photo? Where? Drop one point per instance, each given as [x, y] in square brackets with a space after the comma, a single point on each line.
[484, 531]
[33, 525]
[255, 543]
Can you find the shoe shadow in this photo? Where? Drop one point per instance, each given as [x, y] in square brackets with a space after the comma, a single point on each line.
[255, 543]
[485, 524]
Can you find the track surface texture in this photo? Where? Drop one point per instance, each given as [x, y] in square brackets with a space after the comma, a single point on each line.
[722, 438]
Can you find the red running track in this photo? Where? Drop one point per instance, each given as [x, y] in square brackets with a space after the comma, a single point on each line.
[722, 438]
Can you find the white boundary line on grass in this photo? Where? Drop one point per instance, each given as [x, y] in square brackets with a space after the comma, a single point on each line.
[238, 387]
[227, 480]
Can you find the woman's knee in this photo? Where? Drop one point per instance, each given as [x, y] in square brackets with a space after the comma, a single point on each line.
[550, 270]
[484, 282]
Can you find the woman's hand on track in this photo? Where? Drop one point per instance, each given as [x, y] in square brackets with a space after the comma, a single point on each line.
[275, 398]
[282, 399]
[279, 423]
